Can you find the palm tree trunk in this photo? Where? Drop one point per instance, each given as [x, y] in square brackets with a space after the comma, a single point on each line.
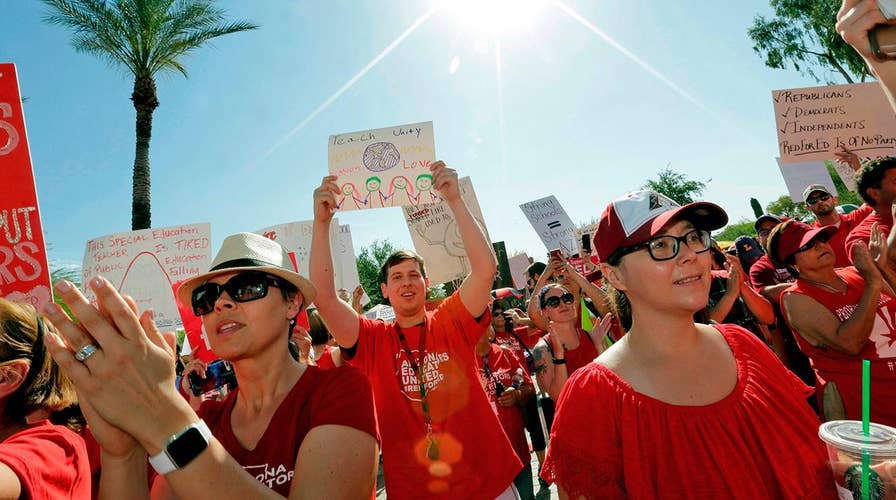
[145, 102]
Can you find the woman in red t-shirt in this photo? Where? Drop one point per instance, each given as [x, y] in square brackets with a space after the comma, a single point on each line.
[288, 429]
[38, 460]
[677, 409]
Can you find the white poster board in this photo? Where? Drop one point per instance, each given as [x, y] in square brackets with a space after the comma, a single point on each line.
[518, 265]
[383, 167]
[553, 226]
[144, 264]
[345, 262]
[295, 237]
[437, 239]
[812, 122]
[798, 176]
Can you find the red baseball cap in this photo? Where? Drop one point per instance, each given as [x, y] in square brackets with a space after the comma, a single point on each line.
[797, 234]
[639, 216]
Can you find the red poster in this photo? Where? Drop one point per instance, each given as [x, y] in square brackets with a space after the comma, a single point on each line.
[24, 273]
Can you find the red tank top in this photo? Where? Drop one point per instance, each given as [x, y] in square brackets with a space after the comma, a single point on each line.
[581, 355]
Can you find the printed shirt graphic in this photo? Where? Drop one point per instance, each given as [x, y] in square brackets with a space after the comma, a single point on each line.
[469, 436]
[834, 366]
[339, 396]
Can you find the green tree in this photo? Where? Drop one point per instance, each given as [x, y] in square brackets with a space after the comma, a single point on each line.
[732, 231]
[676, 186]
[145, 37]
[786, 207]
[801, 34]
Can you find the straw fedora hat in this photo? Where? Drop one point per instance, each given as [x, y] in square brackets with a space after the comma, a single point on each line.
[250, 252]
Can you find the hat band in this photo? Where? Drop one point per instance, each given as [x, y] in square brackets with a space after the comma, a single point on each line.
[228, 264]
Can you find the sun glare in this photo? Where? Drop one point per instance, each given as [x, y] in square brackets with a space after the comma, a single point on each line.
[494, 16]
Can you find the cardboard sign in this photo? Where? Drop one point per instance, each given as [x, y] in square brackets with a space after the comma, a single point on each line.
[553, 226]
[346, 263]
[518, 265]
[295, 237]
[385, 167]
[437, 239]
[798, 176]
[812, 122]
[24, 272]
[145, 264]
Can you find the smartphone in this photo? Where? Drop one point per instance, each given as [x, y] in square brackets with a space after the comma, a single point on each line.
[883, 41]
[586, 242]
[555, 253]
[217, 374]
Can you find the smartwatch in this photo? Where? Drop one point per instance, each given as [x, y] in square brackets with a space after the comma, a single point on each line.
[182, 448]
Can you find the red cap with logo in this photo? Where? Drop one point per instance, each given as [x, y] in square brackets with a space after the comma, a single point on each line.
[639, 216]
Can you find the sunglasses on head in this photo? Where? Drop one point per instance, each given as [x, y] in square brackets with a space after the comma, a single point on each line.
[554, 301]
[243, 287]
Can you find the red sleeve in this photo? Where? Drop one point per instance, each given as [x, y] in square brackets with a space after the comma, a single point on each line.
[762, 274]
[346, 399]
[753, 348]
[858, 215]
[50, 461]
[585, 454]
[862, 232]
[362, 355]
[454, 311]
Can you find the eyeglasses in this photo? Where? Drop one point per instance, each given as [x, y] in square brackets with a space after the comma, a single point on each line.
[666, 247]
[812, 201]
[243, 287]
[821, 238]
[497, 313]
[554, 301]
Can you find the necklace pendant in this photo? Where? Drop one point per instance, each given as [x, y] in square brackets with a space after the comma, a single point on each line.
[432, 450]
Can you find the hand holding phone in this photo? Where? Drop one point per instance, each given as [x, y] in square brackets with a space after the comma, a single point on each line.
[217, 374]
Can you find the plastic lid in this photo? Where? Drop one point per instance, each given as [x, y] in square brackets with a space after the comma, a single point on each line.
[847, 435]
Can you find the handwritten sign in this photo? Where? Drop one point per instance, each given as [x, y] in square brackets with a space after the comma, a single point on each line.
[345, 262]
[295, 237]
[24, 273]
[384, 167]
[145, 264]
[812, 122]
[798, 176]
[437, 239]
[553, 226]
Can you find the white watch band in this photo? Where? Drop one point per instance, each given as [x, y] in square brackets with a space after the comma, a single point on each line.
[162, 461]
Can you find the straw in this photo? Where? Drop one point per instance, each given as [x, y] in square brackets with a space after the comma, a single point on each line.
[866, 428]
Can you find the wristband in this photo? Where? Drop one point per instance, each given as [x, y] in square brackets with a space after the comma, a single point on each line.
[182, 448]
[561, 361]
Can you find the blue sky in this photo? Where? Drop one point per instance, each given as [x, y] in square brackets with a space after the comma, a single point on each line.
[581, 120]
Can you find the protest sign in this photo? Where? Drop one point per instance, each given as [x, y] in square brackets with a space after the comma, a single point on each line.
[384, 167]
[813, 122]
[847, 175]
[295, 237]
[437, 239]
[24, 273]
[798, 176]
[345, 263]
[553, 226]
[145, 264]
[518, 265]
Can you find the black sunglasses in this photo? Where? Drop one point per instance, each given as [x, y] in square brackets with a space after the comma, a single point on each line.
[243, 287]
[812, 201]
[821, 238]
[554, 301]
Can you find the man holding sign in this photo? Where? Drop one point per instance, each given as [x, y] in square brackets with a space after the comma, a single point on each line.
[441, 438]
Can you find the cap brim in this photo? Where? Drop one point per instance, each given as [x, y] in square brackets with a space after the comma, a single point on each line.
[185, 292]
[702, 214]
[809, 236]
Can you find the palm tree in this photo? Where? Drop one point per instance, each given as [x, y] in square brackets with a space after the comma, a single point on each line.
[145, 37]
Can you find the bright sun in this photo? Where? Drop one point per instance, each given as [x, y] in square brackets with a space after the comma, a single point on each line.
[493, 16]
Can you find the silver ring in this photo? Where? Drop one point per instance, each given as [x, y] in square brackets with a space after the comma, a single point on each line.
[86, 352]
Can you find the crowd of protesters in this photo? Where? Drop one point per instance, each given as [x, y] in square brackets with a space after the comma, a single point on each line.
[602, 371]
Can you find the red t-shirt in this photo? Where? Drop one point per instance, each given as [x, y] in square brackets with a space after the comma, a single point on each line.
[862, 232]
[846, 370]
[50, 460]
[847, 223]
[476, 459]
[340, 396]
[326, 360]
[503, 365]
[763, 273]
[760, 441]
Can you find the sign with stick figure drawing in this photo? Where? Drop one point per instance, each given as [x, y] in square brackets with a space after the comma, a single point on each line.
[387, 167]
[437, 239]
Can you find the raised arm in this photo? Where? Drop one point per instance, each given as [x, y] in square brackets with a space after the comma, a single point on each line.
[598, 297]
[854, 20]
[533, 309]
[339, 316]
[474, 291]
